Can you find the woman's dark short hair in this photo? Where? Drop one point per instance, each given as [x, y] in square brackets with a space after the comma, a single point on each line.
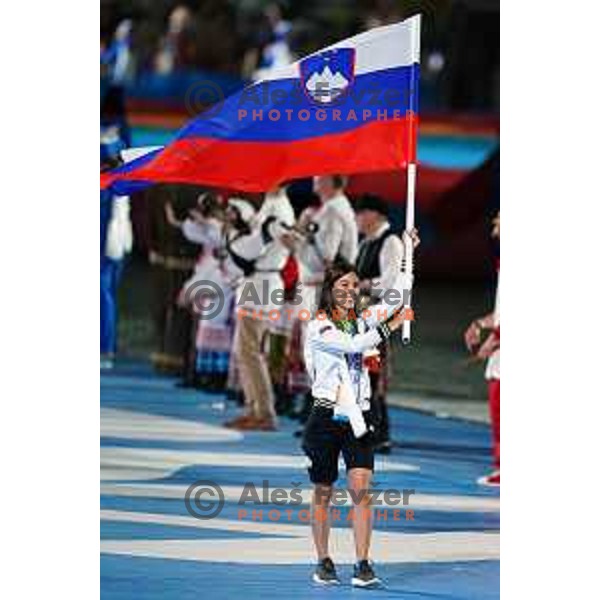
[338, 269]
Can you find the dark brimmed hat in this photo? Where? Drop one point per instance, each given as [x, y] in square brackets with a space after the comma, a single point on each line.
[372, 202]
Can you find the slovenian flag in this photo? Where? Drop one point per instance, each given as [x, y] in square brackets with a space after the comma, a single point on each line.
[350, 108]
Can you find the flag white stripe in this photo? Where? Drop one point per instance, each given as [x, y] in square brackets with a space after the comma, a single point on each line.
[386, 47]
[129, 154]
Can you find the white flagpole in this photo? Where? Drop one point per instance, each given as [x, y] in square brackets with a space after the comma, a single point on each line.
[411, 176]
[408, 243]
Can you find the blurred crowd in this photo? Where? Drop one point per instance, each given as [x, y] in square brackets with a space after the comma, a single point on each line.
[460, 60]
[233, 37]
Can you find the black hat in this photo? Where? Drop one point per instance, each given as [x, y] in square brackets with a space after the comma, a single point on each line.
[372, 202]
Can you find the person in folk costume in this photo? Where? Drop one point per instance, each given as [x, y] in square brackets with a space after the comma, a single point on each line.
[172, 258]
[341, 421]
[483, 339]
[116, 241]
[297, 382]
[252, 250]
[331, 233]
[237, 223]
[282, 339]
[277, 205]
[380, 257]
[213, 332]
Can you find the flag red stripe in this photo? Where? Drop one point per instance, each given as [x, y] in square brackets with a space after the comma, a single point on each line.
[260, 166]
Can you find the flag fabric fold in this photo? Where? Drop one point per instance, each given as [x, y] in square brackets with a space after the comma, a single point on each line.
[350, 108]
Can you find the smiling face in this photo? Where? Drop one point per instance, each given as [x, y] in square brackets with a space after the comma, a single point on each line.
[345, 291]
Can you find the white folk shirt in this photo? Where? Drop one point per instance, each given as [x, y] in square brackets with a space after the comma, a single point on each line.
[333, 357]
[278, 207]
[337, 234]
[263, 290]
[208, 233]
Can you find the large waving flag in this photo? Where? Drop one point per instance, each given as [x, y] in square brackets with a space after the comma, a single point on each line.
[349, 108]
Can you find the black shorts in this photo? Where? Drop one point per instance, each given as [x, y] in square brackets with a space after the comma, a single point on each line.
[325, 438]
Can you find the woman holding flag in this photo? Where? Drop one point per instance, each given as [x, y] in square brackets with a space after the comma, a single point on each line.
[340, 421]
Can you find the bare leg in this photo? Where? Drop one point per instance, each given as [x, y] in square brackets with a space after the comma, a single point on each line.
[359, 481]
[320, 519]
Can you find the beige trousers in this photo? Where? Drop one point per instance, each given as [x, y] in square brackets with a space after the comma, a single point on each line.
[253, 367]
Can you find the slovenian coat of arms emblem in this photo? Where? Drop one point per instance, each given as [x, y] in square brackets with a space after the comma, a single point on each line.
[327, 76]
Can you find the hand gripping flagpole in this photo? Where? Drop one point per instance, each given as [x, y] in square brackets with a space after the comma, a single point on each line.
[411, 175]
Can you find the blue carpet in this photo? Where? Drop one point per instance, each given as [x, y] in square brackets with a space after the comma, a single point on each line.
[446, 457]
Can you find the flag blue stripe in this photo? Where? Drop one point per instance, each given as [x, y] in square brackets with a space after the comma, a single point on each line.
[300, 118]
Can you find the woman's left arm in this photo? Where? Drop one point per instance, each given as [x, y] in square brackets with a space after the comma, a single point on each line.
[392, 300]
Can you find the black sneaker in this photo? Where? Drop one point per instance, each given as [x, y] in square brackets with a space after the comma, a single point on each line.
[364, 576]
[325, 573]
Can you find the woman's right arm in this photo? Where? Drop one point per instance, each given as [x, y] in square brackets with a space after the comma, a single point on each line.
[327, 337]
[392, 300]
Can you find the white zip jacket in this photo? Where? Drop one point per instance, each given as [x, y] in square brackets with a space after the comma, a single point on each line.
[333, 357]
